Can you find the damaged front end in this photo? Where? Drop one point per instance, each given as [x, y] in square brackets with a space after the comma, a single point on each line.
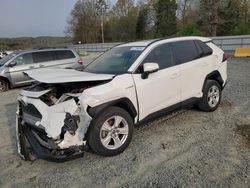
[52, 121]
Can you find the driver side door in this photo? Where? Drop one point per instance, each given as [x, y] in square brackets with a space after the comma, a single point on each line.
[23, 62]
[162, 88]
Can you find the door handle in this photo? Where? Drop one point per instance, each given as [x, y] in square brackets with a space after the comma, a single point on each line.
[41, 65]
[31, 67]
[175, 75]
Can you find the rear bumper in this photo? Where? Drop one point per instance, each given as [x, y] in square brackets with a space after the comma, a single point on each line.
[33, 143]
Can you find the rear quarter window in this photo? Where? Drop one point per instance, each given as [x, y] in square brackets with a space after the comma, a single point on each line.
[185, 51]
[64, 54]
[206, 50]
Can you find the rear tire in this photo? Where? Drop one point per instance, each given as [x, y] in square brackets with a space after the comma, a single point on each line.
[4, 86]
[110, 132]
[211, 96]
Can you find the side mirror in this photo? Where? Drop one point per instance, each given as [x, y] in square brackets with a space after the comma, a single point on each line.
[12, 64]
[149, 68]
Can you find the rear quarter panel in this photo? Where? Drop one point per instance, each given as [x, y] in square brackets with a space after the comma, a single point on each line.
[217, 58]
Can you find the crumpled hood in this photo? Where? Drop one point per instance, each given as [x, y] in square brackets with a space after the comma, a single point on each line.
[65, 76]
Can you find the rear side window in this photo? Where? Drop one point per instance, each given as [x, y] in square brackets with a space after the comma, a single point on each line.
[206, 50]
[162, 55]
[64, 54]
[185, 51]
[39, 57]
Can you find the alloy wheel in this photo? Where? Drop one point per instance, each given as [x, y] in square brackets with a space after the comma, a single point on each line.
[114, 132]
[213, 96]
[2, 86]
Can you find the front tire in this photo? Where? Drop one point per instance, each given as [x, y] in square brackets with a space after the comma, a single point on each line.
[211, 96]
[111, 132]
[4, 86]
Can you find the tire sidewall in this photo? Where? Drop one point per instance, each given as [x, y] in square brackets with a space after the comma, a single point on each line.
[6, 85]
[209, 84]
[94, 140]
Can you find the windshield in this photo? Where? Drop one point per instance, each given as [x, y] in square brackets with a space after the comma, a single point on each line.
[6, 59]
[115, 61]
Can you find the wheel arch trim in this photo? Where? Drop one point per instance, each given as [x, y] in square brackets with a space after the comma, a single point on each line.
[215, 75]
[7, 80]
[123, 103]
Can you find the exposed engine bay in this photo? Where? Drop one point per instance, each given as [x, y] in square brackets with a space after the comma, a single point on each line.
[52, 120]
[61, 92]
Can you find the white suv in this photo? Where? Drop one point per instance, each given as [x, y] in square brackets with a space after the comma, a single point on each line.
[68, 110]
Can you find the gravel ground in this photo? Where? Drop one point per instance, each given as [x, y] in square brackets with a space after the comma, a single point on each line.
[186, 149]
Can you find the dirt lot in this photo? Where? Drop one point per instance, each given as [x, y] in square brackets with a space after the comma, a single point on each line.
[186, 149]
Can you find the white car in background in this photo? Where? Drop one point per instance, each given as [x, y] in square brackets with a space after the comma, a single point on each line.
[131, 83]
[2, 54]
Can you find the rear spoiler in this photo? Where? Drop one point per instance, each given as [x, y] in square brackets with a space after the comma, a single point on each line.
[208, 41]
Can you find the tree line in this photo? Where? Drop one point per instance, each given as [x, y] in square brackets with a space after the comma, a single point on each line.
[128, 20]
[30, 42]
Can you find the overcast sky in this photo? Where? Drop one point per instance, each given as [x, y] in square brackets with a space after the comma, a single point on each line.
[33, 18]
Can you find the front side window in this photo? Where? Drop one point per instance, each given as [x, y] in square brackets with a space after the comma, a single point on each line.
[24, 59]
[115, 61]
[185, 51]
[162, 55]
[39, 57]
[5, 59]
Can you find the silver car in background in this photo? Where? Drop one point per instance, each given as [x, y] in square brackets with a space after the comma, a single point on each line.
[12, 66]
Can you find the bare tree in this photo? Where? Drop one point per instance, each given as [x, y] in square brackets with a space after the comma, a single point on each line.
[183, 5]
[83, 23]
[101, 7]
[245, 9]
[215, 17]
[187, 11]
[209, 17]
[122, 7]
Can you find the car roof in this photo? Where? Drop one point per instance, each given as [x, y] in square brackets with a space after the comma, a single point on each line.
[41, 50]
[146, 43]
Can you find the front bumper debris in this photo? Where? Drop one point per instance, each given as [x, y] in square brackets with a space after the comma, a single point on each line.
[33, 143]
[54, 133]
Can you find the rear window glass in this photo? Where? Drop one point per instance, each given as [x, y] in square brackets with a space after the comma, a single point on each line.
[39, 57]
[64, 54]
[205, 48]
[185, 51]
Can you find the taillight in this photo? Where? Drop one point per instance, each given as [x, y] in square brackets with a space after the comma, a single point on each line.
[225, 57]
[80, 62]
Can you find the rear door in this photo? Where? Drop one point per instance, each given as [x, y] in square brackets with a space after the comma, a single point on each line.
[44, 59]
[193, 68]
[23, 63]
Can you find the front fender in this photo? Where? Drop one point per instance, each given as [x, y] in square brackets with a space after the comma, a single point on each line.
[122, 86]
